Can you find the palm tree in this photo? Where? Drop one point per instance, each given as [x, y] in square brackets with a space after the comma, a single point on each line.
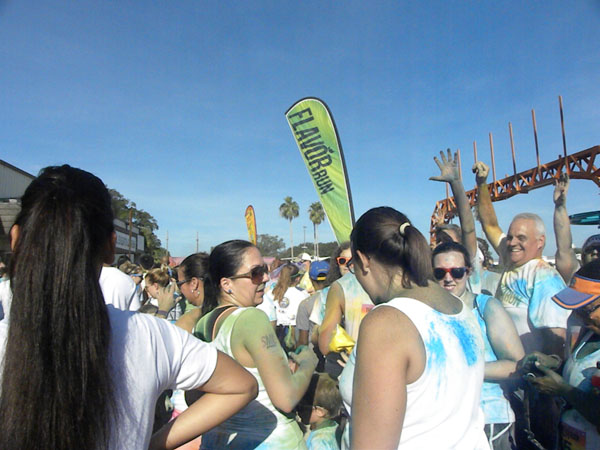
[289, 210]
[316, 216]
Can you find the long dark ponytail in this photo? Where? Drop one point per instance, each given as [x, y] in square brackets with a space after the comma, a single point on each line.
[56, 383]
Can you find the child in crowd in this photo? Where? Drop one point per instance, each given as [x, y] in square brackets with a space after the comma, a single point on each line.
[320, 405]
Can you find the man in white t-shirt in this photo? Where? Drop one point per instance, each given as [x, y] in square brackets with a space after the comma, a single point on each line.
[118, 289]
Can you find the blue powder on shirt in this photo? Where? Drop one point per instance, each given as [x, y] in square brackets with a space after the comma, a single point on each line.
[467, 341]
[434, 346]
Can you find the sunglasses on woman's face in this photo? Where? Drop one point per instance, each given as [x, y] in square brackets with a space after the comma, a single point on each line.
[256, 274]
[342, 260]
[455, 272]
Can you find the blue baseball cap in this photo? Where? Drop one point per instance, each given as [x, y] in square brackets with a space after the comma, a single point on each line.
[318, 270]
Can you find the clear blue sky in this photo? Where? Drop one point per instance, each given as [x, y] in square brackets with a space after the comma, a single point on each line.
[180, 105]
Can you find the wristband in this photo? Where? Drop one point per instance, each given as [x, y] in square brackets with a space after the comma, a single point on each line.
[161, 313]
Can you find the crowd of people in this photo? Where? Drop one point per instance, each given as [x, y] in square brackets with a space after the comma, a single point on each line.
[390, 342]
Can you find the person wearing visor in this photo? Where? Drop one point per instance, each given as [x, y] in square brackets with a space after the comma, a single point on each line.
[580, 378]
[503, 348]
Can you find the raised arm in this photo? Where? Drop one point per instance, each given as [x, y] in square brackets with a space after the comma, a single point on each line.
[383, 362]
[285, 388]
[566, 261]
[504, 340]
[487, 214]
[449, 173]
[227, 391]
[334, 311]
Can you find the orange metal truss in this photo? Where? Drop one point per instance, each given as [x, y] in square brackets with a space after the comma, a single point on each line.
[581, 165]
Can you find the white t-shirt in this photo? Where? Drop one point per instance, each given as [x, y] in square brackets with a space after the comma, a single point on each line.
[119, 289]
[287, 308]
[268, 304]
[5, 299]
[148, 356]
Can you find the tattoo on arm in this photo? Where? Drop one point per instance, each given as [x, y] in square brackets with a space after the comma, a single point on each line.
[268, 341]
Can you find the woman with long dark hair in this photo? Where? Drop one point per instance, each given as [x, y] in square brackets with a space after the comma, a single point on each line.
[414, 377]
[79, 374]
[235, 285]
[190, 275]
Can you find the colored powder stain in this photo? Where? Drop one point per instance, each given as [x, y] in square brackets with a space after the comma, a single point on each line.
[467, 341]
[436, 353]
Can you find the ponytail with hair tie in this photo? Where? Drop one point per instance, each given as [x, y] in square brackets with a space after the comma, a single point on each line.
[402, 228]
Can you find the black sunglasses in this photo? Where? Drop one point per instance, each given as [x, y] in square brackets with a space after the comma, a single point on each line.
[256, 274]
[350, 265]
[455, 272]
[181, 283]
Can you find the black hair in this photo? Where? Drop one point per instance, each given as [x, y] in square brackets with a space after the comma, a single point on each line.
[146, 261]
[387, 235]
[590, 270]
[441, 232]
[452, 246]
[223, 262]
[57, 388]
[122, 259]
[195, 265]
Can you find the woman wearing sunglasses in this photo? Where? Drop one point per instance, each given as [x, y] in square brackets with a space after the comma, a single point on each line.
[191, 274]
[414, 377]
[234, 286]
[503, 348]
[339, 262]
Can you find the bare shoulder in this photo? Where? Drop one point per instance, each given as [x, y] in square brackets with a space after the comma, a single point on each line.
[386, 322]
[253, 319]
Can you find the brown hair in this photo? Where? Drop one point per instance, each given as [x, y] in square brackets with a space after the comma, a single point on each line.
[388, 236]
[328, 395]
[288, 272]
[159, 276]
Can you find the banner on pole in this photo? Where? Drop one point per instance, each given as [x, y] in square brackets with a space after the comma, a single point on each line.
[316, 136]
[251, 223]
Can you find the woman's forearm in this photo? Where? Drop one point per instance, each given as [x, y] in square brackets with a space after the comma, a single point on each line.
[503, 369]
[206, 413]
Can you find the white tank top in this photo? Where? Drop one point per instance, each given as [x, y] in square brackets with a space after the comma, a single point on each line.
[442, 406]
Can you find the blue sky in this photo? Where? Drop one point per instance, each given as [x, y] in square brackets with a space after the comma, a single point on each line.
[180, 105]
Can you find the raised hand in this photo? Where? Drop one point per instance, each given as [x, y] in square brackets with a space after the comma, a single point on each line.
[448, 167]
[481, 171]
[561, 187]
[166, 299]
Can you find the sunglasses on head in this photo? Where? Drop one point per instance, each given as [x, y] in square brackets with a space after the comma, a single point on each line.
[256, 274]
[342, 260]
[455, 272]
